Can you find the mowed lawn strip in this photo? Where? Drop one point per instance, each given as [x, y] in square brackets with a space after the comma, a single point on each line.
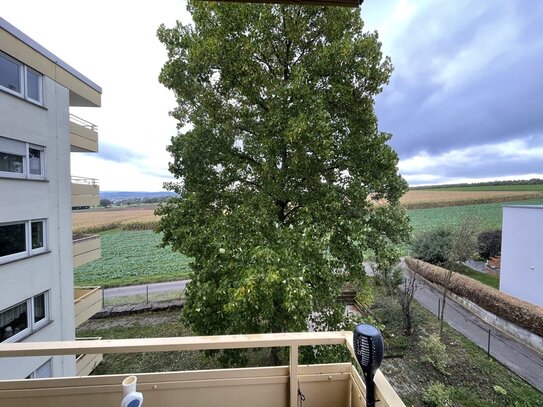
[132, 257]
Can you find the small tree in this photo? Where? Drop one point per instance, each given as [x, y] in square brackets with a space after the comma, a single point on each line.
[433, 246]
[410, 285]
[463, 247]
[490, 243]
[105, 203]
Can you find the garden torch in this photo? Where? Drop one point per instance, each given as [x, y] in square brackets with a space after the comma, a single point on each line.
[369, 349]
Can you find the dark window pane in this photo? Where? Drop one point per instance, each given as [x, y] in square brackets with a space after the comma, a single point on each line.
[13, 320]
[33, 85]
[11, 163]
[12, 239]
[10, 74]
[34, 161]
[39, 307]
[37, 235]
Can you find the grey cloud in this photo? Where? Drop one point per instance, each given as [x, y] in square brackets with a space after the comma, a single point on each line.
[500, 102]
[118, 154]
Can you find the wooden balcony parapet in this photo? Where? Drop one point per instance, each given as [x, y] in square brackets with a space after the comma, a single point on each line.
[336, 384]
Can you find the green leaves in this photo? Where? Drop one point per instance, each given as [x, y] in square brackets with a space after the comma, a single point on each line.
[279, 167]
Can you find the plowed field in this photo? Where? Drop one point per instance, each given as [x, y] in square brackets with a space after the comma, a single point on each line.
[422, 198]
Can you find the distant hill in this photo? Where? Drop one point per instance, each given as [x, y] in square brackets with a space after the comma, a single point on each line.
[119, 196]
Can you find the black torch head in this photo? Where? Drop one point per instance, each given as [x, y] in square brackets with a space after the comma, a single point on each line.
[368, 348]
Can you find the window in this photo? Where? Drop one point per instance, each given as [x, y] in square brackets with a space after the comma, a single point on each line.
[11, 74]
[22, 239]
[33, 85]
[43, 372]
[25, 318]
[21, 160]
[19, 79]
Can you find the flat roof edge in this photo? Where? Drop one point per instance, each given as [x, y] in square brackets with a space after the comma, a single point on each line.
[46, 53]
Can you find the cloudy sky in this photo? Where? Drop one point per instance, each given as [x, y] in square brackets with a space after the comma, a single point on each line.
[465, 102]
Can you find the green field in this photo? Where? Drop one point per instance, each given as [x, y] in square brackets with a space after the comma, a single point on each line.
[530, 187]
[490, 215]
[132, 257]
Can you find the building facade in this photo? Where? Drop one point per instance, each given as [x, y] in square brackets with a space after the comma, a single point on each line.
[37, 135]
[521, 273]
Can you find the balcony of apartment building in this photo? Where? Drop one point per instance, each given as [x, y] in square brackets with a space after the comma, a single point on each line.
[86, 248]
[87, 302]
[83, 135]
[85, 192]
[336, 384]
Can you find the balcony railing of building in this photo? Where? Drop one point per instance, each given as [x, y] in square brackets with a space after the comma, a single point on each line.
[86, 248]
[85, 192]
[86, 363]
[87, 302]
[324, 385]
[83, 135]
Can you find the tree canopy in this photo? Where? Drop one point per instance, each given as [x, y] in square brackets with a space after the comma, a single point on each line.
[285, 182]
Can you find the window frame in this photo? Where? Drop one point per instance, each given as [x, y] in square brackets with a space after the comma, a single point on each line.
[23, 81]
[21, 76]
[42, 161]
[26, 162]
[39, 101]
[19, 255]
[29, 251]
[43, 248]
[32, 326]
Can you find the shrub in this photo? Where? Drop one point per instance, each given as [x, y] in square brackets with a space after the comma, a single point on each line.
[435, 352]
[489, 243]
[437, 395]
[433, 245]
[522, 313]
[390, 278]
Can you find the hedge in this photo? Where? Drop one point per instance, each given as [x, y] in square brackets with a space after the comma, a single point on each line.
[521, 313]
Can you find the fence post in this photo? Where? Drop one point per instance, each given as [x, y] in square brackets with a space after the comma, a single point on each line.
[438, 308]
[488, 348]
[147, 293]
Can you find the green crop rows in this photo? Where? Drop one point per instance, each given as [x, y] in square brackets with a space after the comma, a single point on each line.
[490, 215]
[132, 257]
[528, 187]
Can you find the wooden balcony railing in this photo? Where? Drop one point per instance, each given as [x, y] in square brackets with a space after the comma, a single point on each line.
[83, 135]
[87, 302]
[336, 384]
[86, 249]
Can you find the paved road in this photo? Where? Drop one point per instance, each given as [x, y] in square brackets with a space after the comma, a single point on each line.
[524, 361]
[142, 289]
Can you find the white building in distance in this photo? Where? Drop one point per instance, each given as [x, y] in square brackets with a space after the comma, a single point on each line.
[521, 272]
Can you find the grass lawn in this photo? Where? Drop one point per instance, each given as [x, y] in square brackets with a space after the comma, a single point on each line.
[471, 378]
[132, 257]
[154, 325]
[490, 215]
[488, 279]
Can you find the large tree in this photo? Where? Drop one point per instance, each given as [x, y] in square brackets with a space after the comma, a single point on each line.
[285, 182]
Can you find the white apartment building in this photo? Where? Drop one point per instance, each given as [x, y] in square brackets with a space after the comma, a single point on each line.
[37, 134]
